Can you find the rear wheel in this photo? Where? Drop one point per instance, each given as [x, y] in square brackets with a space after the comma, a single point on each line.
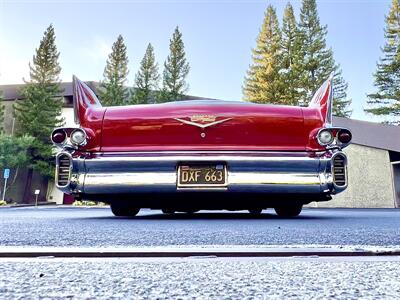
[124, 211]
[255, 211]
[288, 211]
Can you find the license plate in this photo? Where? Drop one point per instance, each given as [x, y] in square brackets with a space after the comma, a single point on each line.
[210, 175]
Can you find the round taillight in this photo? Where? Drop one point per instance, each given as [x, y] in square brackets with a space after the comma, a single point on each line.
[78, 137]
[58, 136]
[325, 137]
[344, 136]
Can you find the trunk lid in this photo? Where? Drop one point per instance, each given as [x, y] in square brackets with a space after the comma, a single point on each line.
[205, 125]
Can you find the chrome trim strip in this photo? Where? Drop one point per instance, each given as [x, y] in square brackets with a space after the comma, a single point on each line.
[216, 152]
[275, 178]
[130, 179]
[109, 159]
[131, 182]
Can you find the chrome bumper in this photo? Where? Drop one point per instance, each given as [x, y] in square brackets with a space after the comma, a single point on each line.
[156, 172]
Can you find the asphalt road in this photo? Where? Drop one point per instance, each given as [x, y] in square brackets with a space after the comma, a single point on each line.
[97, 227]
[194, 277]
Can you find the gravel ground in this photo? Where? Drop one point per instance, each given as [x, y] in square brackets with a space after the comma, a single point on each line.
[201, 279]
[96, 227]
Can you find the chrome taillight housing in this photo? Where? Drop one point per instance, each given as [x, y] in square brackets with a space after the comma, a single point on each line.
[78, 137]
[344, 136]
[334, 137]
[325, 137]
[69, 138]
[59, 136]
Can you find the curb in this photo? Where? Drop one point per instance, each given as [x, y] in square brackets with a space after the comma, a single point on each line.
[182, 253]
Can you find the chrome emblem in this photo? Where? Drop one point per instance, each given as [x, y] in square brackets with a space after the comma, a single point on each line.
[203, 118]
[202, 121]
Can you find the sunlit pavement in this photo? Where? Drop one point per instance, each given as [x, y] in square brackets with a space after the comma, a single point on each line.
[298, 277]
[301, 278]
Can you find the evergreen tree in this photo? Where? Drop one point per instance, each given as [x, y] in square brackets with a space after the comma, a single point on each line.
[290, 57]
[341, 104]
[317, 61]
[112, 90]
[263, 83]
[39, 111]
[15, 154]
[386, 101]
[146, 79]
[1, 113]
[176, 69]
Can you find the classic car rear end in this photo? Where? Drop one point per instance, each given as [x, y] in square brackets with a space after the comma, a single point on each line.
[193, 155]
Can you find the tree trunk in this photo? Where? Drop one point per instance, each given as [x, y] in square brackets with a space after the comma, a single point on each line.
[14, 179]
[28, 186]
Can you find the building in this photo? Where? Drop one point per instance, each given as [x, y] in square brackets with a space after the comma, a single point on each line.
[374, 166]
[374, 159]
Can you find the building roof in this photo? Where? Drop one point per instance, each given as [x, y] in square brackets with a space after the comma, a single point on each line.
[13, 91]
[371, 134]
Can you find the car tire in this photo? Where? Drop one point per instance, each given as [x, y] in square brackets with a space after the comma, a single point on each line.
[288, 211]
[124, 211]
[255, 211]
[168, 211]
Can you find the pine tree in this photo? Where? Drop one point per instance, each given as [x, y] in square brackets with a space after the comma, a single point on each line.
[317, 61]
[341, 104]
[39, 111]
[176, 69]
[263, 83]
[386, 101]
[290, 57]
[146, 79]
[112, 90]
[1, 113]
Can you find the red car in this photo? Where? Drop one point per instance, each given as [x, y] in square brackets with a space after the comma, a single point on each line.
[208, 154]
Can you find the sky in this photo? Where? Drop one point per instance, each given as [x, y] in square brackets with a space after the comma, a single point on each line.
[218, 37]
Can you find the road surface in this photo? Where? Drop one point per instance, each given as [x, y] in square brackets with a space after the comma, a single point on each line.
[199, 277]
[97, 227]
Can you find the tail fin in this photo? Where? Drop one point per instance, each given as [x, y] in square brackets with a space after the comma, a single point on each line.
[323, 100]
[83, 98]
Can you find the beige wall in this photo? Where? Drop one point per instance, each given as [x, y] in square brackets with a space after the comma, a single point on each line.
[54, 194]
[370, 180]
[68, 114]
